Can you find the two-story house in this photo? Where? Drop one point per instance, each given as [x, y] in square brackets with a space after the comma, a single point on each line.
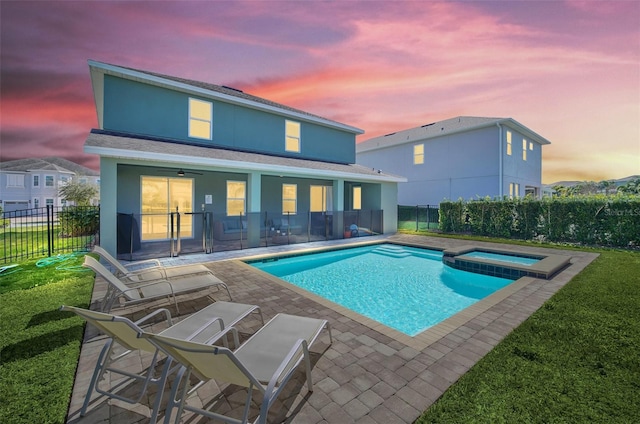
[174, 147]
[460, 158]
[35, 182]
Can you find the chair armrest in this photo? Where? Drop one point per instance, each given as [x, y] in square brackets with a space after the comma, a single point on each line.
[154, 313]
[155, 263]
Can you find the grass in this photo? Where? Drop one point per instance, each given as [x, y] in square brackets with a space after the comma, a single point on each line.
[574, 360]
[19, 243]
[39, 345]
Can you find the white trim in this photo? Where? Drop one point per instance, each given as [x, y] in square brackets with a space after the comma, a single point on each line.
[237, 165]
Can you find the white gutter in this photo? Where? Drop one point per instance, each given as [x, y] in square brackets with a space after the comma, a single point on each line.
[500, 153]
[208, 163]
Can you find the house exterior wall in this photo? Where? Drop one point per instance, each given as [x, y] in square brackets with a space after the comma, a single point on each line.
[148, 110]
[463, 165]
[30, 195]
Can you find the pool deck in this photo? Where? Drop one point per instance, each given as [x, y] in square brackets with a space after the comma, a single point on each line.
[370, 374]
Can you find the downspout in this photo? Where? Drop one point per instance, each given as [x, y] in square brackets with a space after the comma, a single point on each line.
[500, 153]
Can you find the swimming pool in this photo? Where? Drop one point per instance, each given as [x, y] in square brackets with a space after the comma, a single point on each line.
[408, 289]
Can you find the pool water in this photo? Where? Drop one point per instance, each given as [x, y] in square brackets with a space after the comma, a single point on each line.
[405, 288]
[521, 260]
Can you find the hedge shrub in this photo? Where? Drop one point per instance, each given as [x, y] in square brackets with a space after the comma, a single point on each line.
[589, 220]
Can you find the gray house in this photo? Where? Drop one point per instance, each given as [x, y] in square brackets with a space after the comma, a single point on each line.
[460, 158]
[183, 159]
[32, 183]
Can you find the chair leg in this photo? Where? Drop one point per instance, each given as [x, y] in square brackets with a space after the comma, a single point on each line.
[101, 365]
[173, 402]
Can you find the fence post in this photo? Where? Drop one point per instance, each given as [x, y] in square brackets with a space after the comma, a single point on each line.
[49, 228]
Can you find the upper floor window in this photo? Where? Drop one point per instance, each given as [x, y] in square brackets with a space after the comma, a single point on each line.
[36, 180]
[418, 154]
[200, 119]
[48, 180]
[357, 198]
[524, 149]
[15, 180]
[292, 138]
[509, 143]
[289, 198]
[236, 198]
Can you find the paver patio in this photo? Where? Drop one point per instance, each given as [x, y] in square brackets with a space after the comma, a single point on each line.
[370, 374]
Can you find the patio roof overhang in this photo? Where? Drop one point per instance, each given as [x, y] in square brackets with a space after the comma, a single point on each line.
[162, 153]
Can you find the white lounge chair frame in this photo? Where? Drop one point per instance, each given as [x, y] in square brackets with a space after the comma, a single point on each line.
[206, 326]
[153, 290]
[266, 362]
[147, 270]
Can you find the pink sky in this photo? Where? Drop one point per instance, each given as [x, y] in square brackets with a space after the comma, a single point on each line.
[569, 71]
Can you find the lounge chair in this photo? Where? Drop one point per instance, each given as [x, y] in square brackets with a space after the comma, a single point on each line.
[131, 294]
[266, 361]
[205, 325]
[148, 270]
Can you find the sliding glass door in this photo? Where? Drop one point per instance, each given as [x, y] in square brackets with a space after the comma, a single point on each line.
[159, 197]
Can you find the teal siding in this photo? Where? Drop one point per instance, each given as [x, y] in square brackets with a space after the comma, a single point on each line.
[144, 109]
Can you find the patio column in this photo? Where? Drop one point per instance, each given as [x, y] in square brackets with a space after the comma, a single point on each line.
[254, 199]
[109, 205]
[338, 205]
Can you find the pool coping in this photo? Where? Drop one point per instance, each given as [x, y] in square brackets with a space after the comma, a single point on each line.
[554, 264]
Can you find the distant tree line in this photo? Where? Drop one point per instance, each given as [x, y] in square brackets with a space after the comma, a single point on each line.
[606, 187]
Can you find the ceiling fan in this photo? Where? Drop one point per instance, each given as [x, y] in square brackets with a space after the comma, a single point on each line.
[181, 172]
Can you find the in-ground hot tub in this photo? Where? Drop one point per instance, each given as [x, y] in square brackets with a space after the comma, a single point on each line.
[503, 263]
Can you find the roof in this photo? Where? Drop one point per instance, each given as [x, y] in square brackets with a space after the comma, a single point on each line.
[211, 158]
[55, 164]
[214, 91]
[446, 127]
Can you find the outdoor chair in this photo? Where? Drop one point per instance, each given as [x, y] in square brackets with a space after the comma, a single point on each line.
[153, 290]
[205, 326]
[148, 270]
[265, 361]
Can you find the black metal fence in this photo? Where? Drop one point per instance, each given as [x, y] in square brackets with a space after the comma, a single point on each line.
[47, 231]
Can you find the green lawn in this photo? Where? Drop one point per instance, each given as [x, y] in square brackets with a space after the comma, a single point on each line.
[576, 360]
[40, 346]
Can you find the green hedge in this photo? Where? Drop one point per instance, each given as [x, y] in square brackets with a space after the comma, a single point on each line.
[589, 220]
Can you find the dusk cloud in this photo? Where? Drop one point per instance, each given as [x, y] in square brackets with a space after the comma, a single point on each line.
[568, 70]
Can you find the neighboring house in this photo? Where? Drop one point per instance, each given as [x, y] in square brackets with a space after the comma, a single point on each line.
[460, 158]
[167, 144]
[34, 183]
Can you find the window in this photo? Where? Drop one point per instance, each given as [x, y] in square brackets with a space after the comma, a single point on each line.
[200, 119]
[49, 202]
[509, 143]
[36, 202]
[82, 180]
[236, 198]
[418, 154]
[292, 139]
[514, 190]
[357, 198]
[36, 181]
[321, 198]
[524, 149]
[15, 180]
[530, 145]
[160, 197]
[48, 180]
[289, 198]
